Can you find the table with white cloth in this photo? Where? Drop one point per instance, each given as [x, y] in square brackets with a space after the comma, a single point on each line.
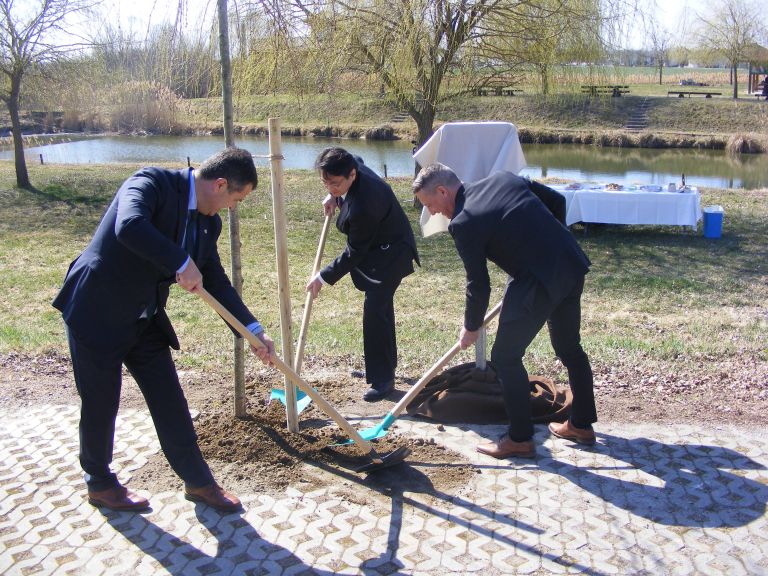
[650, 204]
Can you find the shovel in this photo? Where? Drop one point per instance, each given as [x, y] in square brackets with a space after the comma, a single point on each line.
[378, 461]
[302, 400]
[381, 428]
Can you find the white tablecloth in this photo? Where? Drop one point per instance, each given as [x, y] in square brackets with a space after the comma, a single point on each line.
[473, 150]
[633, 205]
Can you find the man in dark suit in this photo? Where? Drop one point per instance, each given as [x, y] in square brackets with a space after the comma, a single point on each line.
[162, 226]
[380, 252]
[502, 219]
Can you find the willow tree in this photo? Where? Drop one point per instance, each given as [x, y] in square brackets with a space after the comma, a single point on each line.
[425, 52]
[31, 35]
[543, 35]
[420, 51]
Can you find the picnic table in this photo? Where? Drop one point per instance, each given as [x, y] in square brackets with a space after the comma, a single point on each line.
[682, 93]
[618, 204]
[614, 90]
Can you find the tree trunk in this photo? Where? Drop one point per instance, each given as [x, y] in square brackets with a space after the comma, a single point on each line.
[735, 81]
[22, 175]
[544, 76]
[661, 67]
[238, 348]
[425, 120]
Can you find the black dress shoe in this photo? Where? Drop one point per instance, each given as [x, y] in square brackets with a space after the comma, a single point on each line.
[378, 391]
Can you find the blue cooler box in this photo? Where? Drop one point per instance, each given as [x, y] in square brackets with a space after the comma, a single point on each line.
[713, 221]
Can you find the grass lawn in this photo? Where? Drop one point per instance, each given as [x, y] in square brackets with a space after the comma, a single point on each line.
[655, 295]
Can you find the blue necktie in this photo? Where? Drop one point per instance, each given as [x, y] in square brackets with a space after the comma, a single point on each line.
[190, 236]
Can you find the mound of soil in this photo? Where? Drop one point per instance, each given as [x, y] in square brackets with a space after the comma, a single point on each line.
[258, 455]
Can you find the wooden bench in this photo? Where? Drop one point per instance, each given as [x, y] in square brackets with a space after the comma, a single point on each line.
[490, 91]
[614, 90]
[682, 93]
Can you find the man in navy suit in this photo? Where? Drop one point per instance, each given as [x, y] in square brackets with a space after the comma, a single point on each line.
[161, 227]
[380, 252]
[510, 221]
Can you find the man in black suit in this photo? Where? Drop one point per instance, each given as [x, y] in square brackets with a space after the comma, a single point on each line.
[509, 221]
[380, 252]
[162, 226]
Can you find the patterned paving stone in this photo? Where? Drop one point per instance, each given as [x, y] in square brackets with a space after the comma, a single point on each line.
[644, 500]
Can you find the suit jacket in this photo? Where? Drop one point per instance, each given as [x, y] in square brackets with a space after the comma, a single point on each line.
[131, 262]
[380, 241]
[500, 219]
[553, 200]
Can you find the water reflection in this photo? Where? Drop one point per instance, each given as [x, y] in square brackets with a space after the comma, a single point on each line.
[710, 168]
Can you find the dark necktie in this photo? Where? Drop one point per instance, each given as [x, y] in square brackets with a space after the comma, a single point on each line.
[339, 201]
[190, 236]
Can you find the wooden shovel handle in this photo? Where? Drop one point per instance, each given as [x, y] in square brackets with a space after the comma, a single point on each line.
[308, 300]
[286, 370]
[432, 372]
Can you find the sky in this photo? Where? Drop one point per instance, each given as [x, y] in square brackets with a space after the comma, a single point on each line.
[138, 14]
[670, 13]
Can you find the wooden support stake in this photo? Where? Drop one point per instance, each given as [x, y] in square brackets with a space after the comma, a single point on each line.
[281, 254]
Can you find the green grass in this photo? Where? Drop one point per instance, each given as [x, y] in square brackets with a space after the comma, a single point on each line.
[654, 294]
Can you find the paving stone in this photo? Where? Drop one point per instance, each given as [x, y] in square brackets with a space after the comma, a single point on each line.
[645, 500]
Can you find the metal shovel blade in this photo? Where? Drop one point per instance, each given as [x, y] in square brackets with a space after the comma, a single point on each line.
[386, 461]
[375, 432]
[302, 400]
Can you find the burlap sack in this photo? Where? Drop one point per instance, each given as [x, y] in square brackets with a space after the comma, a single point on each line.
[464, 394]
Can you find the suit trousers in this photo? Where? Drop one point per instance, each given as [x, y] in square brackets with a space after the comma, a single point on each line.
[527, 307]
[98, 377]
[379, 338]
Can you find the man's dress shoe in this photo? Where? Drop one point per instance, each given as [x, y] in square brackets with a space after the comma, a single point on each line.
[570, 432]
[378, 391]
[215, 496]
[118, 498]
[506, 448]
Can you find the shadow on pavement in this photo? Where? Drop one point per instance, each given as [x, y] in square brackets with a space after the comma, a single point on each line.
[239, 547]
[687, 484]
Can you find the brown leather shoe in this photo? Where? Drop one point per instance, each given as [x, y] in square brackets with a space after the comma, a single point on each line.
[505, 448]
[570, 432]
[215, 496]
[118, 498]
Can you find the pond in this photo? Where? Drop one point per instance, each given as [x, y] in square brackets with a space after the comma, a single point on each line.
[708, 168]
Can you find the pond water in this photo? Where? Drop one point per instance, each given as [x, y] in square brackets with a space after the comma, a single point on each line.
[709, 168]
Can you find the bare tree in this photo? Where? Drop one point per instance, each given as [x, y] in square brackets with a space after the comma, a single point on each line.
[660, 40]
[31, 36]
[731, 29]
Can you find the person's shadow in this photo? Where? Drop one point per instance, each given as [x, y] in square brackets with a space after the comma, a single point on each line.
[686, 485]
[402, 484]
[239, 547]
